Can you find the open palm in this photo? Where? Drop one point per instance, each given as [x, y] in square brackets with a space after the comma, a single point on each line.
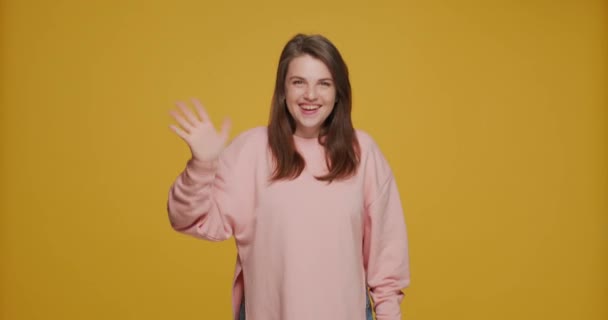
[205, 142]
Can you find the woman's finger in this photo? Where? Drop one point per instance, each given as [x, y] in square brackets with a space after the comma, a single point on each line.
[226, 126]
[201, 110]
[183, 134]
[182, 122]
[190, 116]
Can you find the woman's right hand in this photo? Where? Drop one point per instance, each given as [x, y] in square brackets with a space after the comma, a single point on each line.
[205, 142]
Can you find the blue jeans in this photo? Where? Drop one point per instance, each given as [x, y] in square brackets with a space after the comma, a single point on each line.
[368, 309]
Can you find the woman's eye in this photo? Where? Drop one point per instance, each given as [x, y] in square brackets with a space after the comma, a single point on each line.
[298, 82]
[325, 84]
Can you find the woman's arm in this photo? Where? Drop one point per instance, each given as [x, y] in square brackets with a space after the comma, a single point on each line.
[385, 243]
[193, 202]
[195, 198]
[386, 252]
[213, 199]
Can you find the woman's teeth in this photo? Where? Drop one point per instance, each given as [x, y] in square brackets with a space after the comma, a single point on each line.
[307, 107]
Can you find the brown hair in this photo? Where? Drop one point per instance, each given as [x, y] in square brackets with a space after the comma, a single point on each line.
[342, 153]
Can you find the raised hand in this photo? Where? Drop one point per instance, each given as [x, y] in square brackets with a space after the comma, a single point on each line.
[205, 142]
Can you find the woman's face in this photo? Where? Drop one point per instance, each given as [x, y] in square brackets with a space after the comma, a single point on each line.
[310, 94]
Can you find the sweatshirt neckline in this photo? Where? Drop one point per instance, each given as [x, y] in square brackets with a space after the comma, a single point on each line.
[296, 137]
[308, 142]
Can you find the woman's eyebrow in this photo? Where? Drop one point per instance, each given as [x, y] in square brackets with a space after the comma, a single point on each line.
[302, 78]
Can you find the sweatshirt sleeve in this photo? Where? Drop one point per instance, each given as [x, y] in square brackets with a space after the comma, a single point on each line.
[385, 243]
[207, 200]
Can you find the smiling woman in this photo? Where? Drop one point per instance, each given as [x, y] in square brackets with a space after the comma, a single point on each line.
[312, 99]
[318, 220]
[310, 94]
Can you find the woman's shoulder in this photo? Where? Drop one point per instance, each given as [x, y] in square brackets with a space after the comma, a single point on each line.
[256, 134]
[366, 142]
[246, 142]
[245, 146]
[372, 159]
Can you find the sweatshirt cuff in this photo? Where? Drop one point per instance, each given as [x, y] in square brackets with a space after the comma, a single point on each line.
[199, 171]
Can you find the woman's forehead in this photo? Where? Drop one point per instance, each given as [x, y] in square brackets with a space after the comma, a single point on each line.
[306, 66]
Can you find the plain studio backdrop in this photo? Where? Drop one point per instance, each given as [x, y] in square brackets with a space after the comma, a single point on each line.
[492, 114]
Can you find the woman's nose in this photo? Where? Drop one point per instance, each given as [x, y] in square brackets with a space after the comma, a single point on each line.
[311, 93]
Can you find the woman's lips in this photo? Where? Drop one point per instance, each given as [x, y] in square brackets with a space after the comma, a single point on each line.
[309, 109]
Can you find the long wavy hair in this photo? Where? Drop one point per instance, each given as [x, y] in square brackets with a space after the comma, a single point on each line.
[337, 135]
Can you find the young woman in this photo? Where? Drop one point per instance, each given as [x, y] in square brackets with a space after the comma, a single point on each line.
[311, 202]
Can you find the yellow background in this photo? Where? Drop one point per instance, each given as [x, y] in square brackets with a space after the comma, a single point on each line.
[493, 115]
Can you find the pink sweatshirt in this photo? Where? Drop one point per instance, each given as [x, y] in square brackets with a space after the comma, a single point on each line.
[306, 249]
